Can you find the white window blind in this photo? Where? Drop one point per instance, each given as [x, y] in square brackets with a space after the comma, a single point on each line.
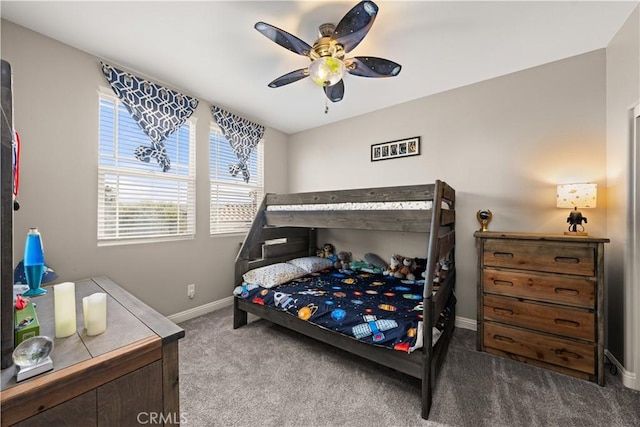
[234, 203]
[137, 201]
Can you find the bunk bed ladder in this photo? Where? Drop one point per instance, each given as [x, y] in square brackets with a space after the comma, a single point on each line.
[242, 259]
[265, 245]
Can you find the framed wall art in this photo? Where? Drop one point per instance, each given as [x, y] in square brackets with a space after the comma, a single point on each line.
[395, 149]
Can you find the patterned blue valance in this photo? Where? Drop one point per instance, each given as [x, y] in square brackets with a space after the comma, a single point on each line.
[158, 111]
[243, 137]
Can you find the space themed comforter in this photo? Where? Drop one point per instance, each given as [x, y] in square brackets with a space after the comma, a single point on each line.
[372, 308]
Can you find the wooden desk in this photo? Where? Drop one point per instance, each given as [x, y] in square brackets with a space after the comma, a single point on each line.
[126, 376]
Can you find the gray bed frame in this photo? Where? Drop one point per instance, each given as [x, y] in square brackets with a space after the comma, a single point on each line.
[297, 231]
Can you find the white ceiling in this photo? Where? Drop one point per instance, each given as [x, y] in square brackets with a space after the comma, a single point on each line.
[210, 49]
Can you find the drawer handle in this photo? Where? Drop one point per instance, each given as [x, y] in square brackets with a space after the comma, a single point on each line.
[564, 352]
[567, 291]
[502, 282]
[567, 259]
[503, 254]
[565, 322]
[503, 311]
[503, 338]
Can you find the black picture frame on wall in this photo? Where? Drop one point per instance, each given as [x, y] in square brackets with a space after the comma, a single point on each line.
[395, 149]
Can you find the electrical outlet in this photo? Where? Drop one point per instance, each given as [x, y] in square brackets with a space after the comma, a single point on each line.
[191, 291]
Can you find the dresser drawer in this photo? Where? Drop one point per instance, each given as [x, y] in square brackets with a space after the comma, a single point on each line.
[554, 257]
[542, 317]
[576, 291]
[538, 346]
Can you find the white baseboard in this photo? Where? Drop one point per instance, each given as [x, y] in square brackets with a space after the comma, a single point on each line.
[201, 310]
[464, 323]
[628, 378]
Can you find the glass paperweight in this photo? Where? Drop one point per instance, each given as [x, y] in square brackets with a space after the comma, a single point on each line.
[31, 357]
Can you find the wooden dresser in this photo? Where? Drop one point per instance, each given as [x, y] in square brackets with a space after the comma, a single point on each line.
[540, 300]
[126, 376]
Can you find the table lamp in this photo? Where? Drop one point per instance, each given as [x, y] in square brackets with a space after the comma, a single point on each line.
[34, 263]
[576, 196]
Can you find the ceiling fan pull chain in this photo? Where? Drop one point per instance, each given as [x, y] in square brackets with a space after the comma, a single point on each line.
[326, 105]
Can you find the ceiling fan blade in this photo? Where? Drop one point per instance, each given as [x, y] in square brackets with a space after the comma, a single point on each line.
[284, 39]
[335, 93]
[370, 66]
[355, 25]
[291, 77]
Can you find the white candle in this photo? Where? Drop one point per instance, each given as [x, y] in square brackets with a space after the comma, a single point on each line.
[64, 304]
[95, 313]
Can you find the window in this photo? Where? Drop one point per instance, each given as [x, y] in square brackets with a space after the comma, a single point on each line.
[234, 203]
[137, 201]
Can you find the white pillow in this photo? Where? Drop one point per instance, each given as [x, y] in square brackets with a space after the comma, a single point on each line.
[311, 264]
[273, 275]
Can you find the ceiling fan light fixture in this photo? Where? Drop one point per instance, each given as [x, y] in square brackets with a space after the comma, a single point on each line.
[327, 55]
[326, 71]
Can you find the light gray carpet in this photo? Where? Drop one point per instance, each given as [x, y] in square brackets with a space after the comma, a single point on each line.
[265, 375]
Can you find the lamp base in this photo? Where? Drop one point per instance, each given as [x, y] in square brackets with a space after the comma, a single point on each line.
[576, 233]
[34, 292]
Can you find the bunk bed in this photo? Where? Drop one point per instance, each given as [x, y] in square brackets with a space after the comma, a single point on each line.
[286, 228]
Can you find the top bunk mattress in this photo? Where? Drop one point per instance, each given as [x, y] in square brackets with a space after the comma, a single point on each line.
[357, 206]
[373, 308]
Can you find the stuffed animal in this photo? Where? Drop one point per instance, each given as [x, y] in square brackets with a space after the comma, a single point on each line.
[394, 265]
[367, 267]
[442, 269]
[406, 270]
[329, 252]
[343, 260]
[420, 265]
[358, 264]
[376, 261]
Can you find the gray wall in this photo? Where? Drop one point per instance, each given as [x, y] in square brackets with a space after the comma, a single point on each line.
[503, 144]
[623, 93]
[56, 115]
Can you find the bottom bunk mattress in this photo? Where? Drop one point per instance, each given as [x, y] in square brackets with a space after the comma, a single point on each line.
[370, 307]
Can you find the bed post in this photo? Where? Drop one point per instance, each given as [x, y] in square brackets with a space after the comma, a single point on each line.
[242, 260]
[432, 260]
[313, 241]
[239, 316]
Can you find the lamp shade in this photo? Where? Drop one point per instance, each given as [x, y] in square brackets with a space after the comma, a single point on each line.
[326, 71]
[576, 196]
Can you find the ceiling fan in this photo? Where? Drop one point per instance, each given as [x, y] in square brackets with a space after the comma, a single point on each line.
[327, 55]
